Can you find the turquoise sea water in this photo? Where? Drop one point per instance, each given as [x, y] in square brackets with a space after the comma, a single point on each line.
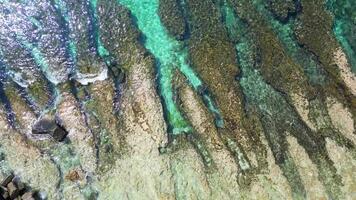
[170, 54]
[80, 41]
[345, 26]
[166, 50]
[257, 91]
[285, 33]
[69, 44]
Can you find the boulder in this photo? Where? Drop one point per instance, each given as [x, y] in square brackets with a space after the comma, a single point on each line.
[50, 127]
[13, 190]
[28, 196]
[7, 180]
[44, 126]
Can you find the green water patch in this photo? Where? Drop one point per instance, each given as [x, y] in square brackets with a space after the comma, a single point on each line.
[260, 94]
[260, 91]
[284, 31]
[345, 26]
[170, 55]
[277, 116]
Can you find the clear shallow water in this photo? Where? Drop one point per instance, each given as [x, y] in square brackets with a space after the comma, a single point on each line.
[61, 54]
[277, 116]
[285, 33]
[47, 44]
[170, 55]
[164, 48]
[345, 26]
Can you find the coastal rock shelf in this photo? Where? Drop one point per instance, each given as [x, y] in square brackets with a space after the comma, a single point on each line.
[177, 99]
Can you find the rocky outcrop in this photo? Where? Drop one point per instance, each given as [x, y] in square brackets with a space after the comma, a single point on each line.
[200, 100]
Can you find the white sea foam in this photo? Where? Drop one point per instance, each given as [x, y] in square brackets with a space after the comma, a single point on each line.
[85, 79]
[17, 77]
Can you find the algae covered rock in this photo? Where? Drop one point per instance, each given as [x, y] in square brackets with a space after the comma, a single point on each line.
[177, 99]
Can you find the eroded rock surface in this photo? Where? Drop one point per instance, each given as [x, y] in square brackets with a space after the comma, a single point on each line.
[177, 99]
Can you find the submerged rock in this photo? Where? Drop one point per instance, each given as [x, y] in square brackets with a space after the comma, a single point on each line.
[44, 126]
[251, 100]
